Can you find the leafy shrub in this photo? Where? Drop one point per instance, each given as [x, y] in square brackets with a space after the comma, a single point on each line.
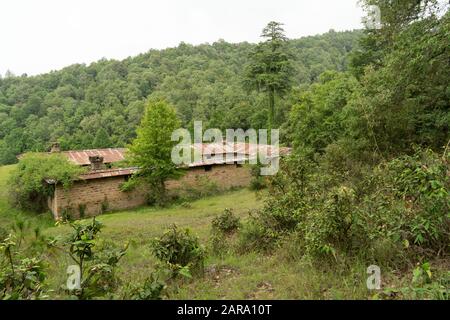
[102, 279]
[20, 277]
[24, 281]
[409, 203]
[424, 284]
[218, 243]
[27, 187]
[226, 222]
[398, 206]
[97, 267]
[179, 250]
[152, 289]
[255, 235]
[422, 180]
[283, 210]
[327, 228]
[257, 183]
[223, 226]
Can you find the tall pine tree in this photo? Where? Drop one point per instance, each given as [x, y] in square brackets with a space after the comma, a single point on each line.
[270, 68]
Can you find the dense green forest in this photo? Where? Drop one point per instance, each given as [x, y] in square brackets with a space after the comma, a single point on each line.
[101, 104]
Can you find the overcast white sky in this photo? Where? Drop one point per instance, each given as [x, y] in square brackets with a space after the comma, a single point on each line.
[42, 35]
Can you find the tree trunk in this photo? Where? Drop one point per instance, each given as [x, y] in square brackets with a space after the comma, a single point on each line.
[271, 113]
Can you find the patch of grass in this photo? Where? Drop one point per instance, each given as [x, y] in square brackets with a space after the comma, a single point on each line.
[258, 276]
[141, 225]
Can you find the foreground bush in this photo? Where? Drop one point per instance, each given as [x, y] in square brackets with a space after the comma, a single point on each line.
[153, 288]
[97, 267]
[180, 256]
[22, 269]
[180, 251]
[24, 280]
[400, 206]
[224, 226]
[425, 283]
[226, 222]
[408, 202]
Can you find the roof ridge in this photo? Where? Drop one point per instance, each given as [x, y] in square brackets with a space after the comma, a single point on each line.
[95, 149]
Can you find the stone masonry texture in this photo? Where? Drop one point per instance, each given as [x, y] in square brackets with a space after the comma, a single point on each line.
[87, 198]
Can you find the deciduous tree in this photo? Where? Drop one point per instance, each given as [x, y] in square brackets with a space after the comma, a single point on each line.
[151, 150]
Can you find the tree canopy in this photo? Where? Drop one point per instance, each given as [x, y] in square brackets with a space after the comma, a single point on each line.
[202, 82]
[151, 150]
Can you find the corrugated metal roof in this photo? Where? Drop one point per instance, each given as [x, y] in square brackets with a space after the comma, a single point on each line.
[240, 152]
[111, 155]
[108, 173]
[240, 148]
[81, 157]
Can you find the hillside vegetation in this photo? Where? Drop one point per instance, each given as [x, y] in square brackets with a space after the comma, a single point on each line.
[101, 104]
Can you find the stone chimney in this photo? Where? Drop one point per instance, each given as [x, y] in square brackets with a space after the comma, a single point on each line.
[96, 162]
[55, 147]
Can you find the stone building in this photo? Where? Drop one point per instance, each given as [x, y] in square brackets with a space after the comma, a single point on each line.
[99, 190]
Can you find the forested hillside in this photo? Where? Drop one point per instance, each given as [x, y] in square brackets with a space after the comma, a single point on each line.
[101, 104]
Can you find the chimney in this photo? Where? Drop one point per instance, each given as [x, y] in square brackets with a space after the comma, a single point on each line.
[55, 147]
[96, 162]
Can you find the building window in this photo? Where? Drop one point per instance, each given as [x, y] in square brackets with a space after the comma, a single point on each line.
[208, 168]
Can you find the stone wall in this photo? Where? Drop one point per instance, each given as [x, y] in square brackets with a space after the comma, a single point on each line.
[93, 197]
[224, 176]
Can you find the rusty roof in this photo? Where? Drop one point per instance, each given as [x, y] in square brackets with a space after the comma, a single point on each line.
[81, 157]
[239, 148]
[111, 155]
[107, 173]
[241, 152]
